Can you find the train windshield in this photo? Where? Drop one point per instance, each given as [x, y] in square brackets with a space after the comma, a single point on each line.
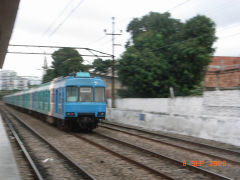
[99, 94]
[86, 94]
[72, 94]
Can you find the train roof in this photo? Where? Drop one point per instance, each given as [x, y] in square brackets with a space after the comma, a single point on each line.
[75, 79]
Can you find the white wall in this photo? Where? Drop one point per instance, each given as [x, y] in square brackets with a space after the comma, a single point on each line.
[214, 116]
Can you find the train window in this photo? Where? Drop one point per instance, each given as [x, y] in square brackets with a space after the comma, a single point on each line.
[72, 94]
[86, 94]
[99, 94]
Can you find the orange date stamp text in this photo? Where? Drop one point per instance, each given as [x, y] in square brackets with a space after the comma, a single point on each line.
[199, 163]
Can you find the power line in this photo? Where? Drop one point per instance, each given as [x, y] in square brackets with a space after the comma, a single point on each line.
[103, 54]
[210, 10]
[59, 15]
[175, 7]
[66, 18]
[97, 40]
[58, 47]
[231, 35]
[180, 42]
[43, 53]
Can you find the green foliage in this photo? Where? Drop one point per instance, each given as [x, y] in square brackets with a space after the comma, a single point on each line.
[101, 66]
[65, 61]
[48, 76]
[164, 52]
[197, 91]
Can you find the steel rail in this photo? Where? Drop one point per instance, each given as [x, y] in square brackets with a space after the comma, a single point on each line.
[158, 173]
[66, 157]
[23, 148]
[173, 145]
[174, 138]
[158, 155]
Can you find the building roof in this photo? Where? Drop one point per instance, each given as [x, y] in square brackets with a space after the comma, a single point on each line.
[8, 11]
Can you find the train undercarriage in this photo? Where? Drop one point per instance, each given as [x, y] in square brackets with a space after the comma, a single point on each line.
[84, 122]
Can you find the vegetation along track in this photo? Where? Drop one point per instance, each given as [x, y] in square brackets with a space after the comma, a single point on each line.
[155, 162]
[47, 161]
[186, 151]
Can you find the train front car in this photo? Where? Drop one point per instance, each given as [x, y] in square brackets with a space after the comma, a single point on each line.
[85, 103]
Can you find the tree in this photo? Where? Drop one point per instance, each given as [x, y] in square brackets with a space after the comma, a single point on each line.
[48, 76]
[164, 52]
[101, 66]
[65, 61]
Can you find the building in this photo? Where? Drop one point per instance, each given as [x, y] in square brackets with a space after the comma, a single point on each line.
[34, 81]
[223, 73]
[10, 81]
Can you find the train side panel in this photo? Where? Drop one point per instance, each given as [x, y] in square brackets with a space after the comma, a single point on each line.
[83, 109]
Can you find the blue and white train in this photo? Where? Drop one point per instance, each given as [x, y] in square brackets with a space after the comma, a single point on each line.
[73, 102]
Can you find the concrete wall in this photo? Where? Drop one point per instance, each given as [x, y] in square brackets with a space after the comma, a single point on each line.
[214, 116]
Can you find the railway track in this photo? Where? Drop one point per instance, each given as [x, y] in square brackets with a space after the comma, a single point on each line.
[75, 171]
[156, 163]
[175, 141]
[35, 170]
[232, 169]
[139, 164]
[102, 164]
[228, 155]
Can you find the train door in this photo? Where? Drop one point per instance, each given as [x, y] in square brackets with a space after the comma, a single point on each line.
[43, 100]
[56, 101]
[48, 101]
[60, 101]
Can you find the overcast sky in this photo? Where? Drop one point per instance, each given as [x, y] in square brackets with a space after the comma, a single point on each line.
[80, 23]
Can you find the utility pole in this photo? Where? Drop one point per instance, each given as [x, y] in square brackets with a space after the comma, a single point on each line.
[113, 34]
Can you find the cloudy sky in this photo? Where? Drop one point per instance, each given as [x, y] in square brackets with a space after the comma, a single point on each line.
[81, 23]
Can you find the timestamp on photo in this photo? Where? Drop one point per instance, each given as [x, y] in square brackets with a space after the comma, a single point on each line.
[199, 163]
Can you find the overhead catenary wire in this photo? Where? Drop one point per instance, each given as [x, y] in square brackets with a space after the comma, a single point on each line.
[231, 35]
[66, 18]
[172, 8]
[92, 51]
[27, 45]
[106, 54]
[43, 53]
[178, 5]
[180, 42]
[59, 15]
[223, 6]
[97, 40]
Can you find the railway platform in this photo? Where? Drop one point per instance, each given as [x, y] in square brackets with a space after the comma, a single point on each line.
[8, 167]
